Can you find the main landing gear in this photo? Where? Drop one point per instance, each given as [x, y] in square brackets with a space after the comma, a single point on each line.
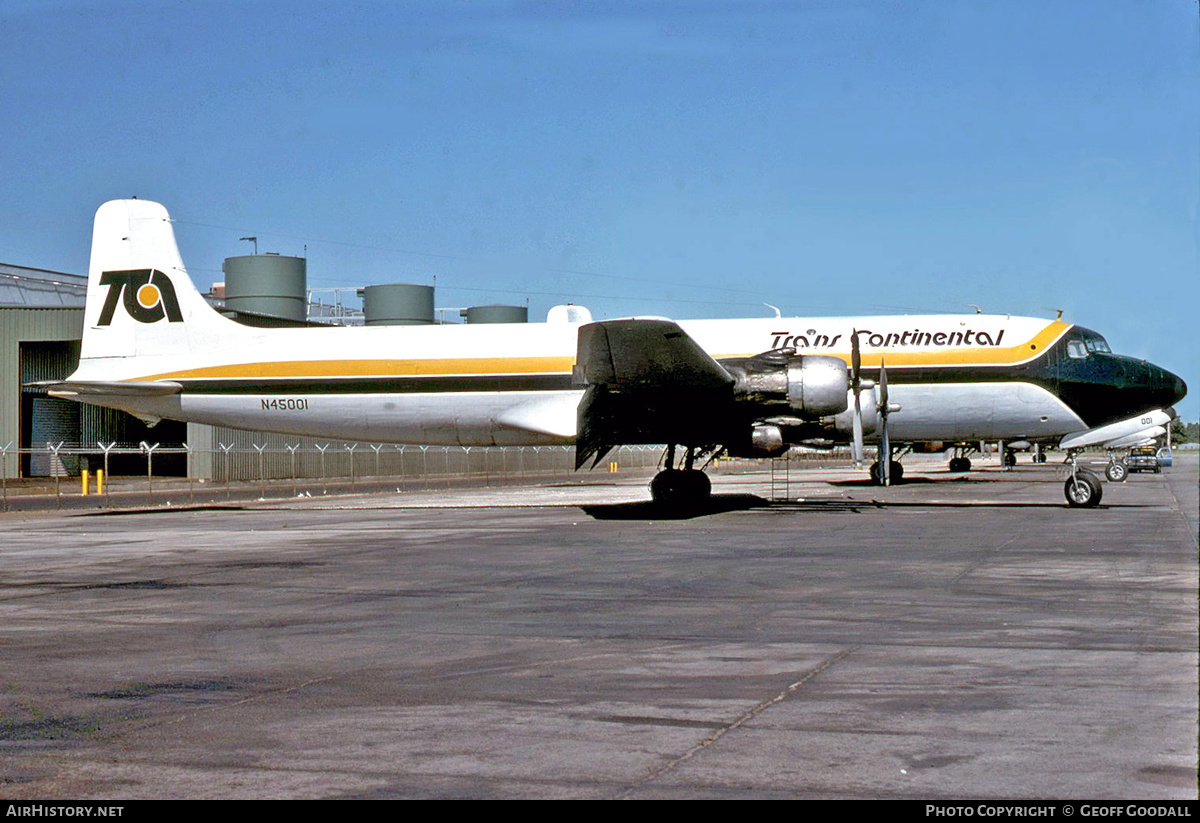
[681, 488]
[896, 475]
[961, 461]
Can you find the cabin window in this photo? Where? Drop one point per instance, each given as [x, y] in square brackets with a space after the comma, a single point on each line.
[1077, 349]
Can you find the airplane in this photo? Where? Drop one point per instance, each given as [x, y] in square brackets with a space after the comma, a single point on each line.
[152, 346]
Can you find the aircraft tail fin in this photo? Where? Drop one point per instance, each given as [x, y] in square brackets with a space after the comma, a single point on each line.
[140, 299]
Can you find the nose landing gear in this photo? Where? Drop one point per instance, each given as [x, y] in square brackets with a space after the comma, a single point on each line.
[1082, 489]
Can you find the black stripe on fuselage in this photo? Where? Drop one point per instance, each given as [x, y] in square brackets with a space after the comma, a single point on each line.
[380, 385]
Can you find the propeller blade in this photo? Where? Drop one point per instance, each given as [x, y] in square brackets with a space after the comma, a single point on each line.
[883, 391]
[885, 444]
[855, 361]
[856, 445]
[885, 454]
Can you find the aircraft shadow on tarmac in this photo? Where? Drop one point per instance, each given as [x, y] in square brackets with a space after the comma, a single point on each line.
[720, 504]
[649, 510]
[725, 503]
[905, 481]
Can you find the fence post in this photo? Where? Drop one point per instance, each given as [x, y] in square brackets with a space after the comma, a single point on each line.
[351, 449]
[150, 465]
[262, 477]
[322, 449]
[292, 448]
[4, 471]
[226, 448]
[376, 449]
[57, 475]
[188, 471]
[107, 476]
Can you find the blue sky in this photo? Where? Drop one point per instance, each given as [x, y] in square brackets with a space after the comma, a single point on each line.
[686, 159]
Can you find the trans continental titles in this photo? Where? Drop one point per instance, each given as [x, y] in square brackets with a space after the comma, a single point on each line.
[889, 340]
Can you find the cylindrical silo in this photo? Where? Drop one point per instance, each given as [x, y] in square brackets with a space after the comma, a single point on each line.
[271, 284]
[496, 314]
[397, 304]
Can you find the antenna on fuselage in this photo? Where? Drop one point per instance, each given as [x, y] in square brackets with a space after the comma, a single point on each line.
[772, 308]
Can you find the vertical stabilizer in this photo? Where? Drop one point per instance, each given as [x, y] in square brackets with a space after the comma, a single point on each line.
[140, 300]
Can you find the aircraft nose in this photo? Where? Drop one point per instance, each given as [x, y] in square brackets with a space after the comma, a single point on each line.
[1177, 386]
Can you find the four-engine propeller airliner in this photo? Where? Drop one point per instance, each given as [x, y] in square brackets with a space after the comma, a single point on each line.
[154, 347]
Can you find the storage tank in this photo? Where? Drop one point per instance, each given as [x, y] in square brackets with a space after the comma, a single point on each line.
[397, 304]
[272, 284]
[496, 314]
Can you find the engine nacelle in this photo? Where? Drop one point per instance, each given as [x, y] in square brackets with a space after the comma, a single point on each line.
[812, 385]
[767, 440]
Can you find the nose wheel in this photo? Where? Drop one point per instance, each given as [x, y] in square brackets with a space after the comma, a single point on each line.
[1083, 490]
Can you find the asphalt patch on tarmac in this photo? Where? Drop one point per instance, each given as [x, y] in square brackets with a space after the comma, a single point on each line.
[140, 691]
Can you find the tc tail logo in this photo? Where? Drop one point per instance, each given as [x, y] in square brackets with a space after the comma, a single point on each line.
[148, 296]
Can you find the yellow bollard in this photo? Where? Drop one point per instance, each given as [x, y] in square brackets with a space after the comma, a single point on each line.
[99, 481]
[84, 478]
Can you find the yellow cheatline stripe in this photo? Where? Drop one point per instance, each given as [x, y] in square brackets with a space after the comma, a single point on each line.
[439, 367]
[376, 368]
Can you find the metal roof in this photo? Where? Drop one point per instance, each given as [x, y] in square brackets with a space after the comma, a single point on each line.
[23, 286]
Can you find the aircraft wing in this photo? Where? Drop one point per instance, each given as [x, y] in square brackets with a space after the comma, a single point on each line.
[642, 376]
[1114, 431]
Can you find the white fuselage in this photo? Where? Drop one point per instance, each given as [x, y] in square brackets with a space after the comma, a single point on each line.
[510, 384]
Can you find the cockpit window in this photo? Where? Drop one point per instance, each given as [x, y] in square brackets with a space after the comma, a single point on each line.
[1084, 342]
